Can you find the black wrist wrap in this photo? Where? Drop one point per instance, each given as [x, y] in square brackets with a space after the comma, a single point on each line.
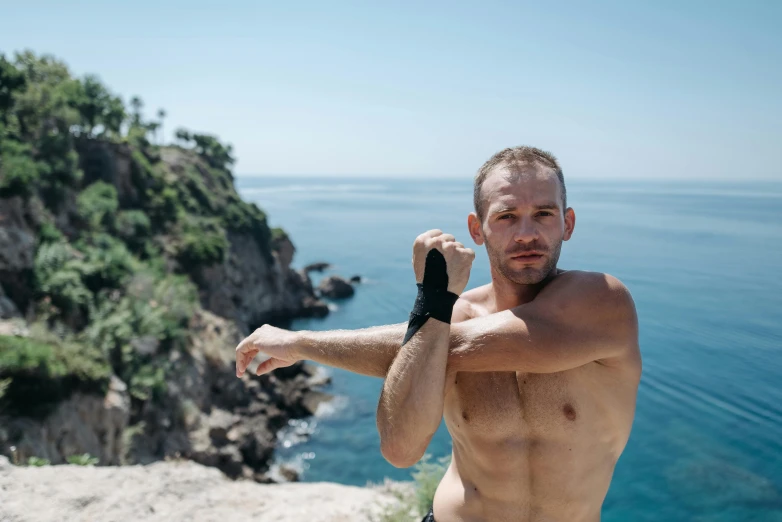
[433, 299]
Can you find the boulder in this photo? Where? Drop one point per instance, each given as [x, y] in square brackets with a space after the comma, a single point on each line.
[335, 287]
[317, 267]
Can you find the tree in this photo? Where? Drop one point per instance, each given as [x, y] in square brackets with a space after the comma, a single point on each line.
[183, 135]
[217, 154]
[136, 104]
[99, 108]
[153, 127]
[208, 147]
[11, 81]
[161, 114]
[41, 118]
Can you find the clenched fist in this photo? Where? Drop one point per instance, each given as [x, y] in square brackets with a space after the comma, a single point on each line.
[458, 258]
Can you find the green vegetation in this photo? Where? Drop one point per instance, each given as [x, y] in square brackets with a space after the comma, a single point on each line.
[203, 243]
[38, 374]
[133, 228]
[82, 460]
[37, 462]
[4, 385]
[208, 147]
[123, 225]
[98, 205]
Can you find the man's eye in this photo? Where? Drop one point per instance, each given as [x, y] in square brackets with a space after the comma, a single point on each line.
[506, 216]
[545, 214]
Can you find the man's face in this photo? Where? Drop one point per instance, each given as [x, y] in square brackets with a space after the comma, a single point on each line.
[524, 223]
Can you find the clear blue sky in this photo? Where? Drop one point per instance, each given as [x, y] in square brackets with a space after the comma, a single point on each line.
[622, 89]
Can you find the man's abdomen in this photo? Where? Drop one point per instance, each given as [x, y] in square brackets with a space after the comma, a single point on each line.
[528, 447]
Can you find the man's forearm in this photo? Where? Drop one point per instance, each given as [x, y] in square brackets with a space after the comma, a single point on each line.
[369, 351]
[411, 403]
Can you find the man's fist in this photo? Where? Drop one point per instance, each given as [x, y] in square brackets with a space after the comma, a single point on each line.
[458, 258]
[278, 346]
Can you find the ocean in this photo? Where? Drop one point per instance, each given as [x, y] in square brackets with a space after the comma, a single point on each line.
[702, 261]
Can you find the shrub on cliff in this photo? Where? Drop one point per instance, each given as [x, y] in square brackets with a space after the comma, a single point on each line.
[106, 261]
[43, 372]
[148, 319]
[133, 227]
[203, 243]
[58, 277]
[98, 205]
[18, 171]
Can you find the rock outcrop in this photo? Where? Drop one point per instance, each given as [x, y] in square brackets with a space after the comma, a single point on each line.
[83, 423]
[335, 287]
[18, 221]
[214, 418]
[320, 266]
[204, 413]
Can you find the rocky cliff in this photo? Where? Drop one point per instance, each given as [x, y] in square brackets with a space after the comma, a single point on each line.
[128, 274]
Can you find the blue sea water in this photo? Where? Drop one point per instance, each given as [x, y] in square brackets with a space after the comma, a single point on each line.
[702, 261]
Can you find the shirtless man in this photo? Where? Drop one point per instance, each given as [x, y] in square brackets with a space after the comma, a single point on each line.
[536, 375]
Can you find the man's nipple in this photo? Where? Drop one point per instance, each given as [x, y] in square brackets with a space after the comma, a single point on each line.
[569, 411]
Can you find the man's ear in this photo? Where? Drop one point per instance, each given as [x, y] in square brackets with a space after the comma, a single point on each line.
[474, 226]
[570, 222]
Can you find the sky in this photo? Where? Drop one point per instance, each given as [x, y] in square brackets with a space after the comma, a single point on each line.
[615, 89]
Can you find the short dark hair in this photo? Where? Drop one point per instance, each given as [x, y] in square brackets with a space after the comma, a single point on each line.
[521, 155]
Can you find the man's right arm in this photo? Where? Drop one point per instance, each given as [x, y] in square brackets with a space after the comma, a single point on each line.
[369, 351]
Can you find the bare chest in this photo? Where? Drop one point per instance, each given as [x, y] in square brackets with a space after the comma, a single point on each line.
[501, 405]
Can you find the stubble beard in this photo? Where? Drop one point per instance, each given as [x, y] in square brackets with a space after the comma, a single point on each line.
[528, 275]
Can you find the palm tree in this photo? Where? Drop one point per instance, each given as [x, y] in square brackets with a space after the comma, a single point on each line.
[137, 104]
[161, 114]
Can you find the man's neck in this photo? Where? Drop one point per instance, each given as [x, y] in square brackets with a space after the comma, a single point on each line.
[508, 294]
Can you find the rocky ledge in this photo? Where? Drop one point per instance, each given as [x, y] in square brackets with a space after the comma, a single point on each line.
[178, 491]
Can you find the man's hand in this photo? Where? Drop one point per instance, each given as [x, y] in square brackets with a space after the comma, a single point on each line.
[458, 259]
[276, 343]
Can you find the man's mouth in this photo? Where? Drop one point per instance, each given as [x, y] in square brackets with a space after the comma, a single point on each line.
[528, 257]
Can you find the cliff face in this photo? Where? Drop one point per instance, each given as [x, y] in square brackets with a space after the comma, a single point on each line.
[253, 283]
[196, 408]
[129, 272]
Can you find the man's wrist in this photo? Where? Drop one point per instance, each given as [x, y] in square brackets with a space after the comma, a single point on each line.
[302, 345]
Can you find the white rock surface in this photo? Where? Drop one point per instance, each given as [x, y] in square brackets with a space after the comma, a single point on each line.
[173, 491]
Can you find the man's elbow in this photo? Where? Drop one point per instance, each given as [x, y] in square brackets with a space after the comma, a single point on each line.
[402, 455]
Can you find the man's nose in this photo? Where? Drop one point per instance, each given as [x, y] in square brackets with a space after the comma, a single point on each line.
[526, 231]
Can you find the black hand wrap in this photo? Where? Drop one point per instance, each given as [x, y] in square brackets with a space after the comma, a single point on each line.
[433, 300]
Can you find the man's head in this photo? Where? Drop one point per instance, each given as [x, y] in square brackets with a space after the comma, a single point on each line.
[521, 209]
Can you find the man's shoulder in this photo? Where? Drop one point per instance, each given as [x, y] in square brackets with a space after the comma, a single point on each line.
[593, 292]
[594, 283]
[600, 302]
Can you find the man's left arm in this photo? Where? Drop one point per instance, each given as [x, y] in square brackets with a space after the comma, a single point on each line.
[578, 318]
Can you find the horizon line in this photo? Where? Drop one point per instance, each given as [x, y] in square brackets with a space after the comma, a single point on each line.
[419, 177]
